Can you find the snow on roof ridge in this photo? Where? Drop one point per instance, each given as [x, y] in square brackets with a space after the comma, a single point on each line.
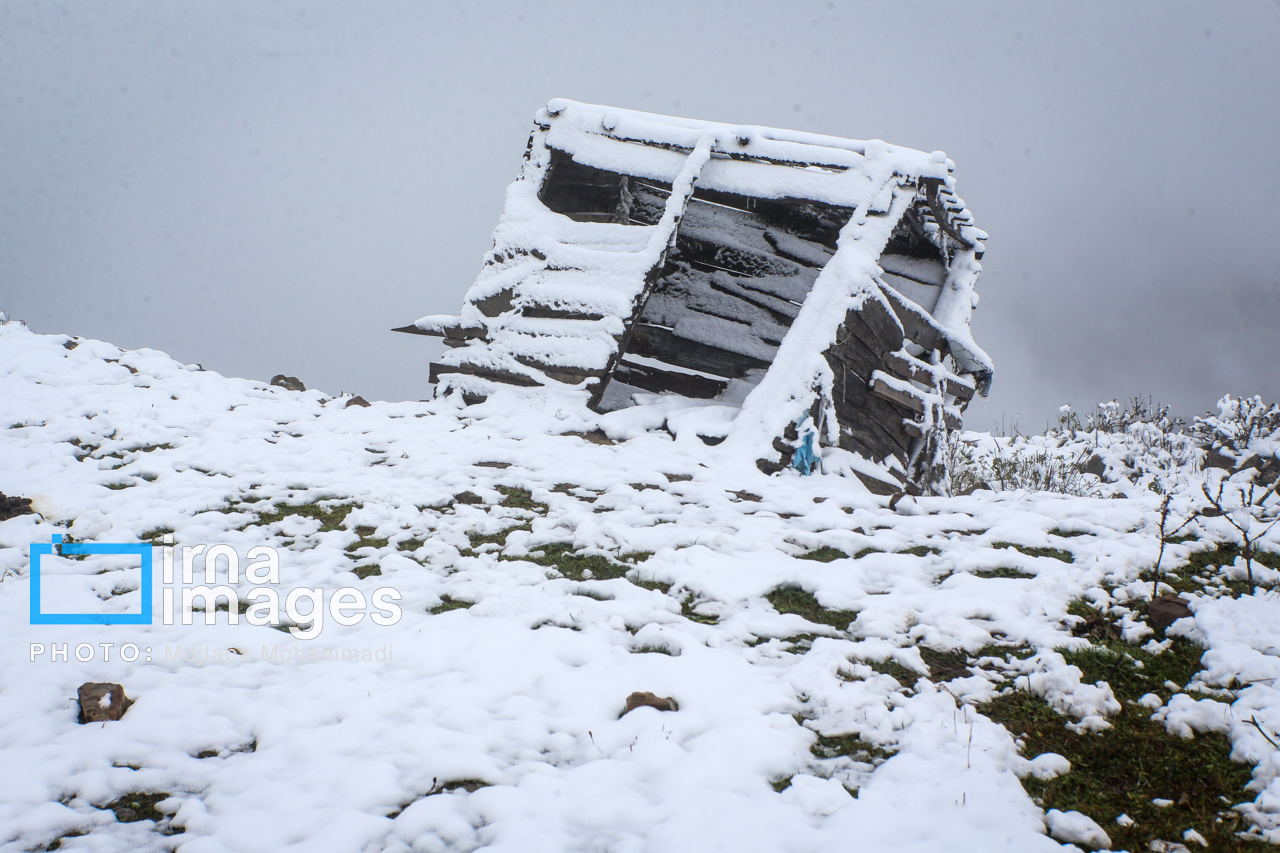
[619, 123]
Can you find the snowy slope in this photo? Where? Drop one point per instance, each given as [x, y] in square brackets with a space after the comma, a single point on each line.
[522, 690]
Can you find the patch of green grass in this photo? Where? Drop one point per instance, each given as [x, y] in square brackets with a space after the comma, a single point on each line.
[945, 665]
[824, 555]
[330, 518]
[1066, 534]
[1056, 553]
[890, 667]
[651, 648]
[688, 610]
[919, 551]
[448, 603]
[410, 545]
[115, 487]
[850, 746]
[137, 806]
[780, 785]
[1116, 663]
[1003, 572]
[659, 586]
[865, 551]
[367, 539]
[791, 599]
[562, 557]
[147, 448]
[154, 534]
[1123, 768]
[1224, 554]
[363, 572]
[521, 499]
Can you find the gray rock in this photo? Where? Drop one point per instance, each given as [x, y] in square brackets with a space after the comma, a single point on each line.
[1168, 609]
[357, 401]
[1215, 458]
[1096, 465]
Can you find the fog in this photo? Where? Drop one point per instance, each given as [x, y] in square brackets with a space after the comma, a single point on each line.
[270, 187]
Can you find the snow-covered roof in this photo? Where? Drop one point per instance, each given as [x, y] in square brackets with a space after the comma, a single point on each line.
[561, 293]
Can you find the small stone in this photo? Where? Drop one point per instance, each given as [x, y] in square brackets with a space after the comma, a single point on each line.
[649, 700]
[357, 401]
[102, 701]
[467, 498]
[1168, 609]
[289, 383]
[1096, 465]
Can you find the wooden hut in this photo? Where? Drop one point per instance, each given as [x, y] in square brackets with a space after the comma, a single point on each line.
[821, 286]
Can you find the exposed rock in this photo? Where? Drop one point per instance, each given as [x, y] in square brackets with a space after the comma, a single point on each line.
[12, 506]
[289, 383]
[1168, 609]
[102, 701]
[467, 498]
[1096, 465]
[649, 700]
[1215, 458]
[979, 486]
[357, 401]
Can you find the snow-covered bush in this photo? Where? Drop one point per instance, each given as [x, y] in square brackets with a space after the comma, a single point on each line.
[1241, 424]
[1006, 463]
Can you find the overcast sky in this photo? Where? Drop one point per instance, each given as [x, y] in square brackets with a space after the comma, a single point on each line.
[269, 187]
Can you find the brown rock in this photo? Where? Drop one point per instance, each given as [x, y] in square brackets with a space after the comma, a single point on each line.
[289, 383]
[12, 506]
[102, 701]
[357, 401]
[649, 700]
[1215, 458]
[1096, 465]
[468, 498]
[1168, 609]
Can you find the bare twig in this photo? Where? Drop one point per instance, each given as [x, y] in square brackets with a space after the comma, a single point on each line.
[1263, 732]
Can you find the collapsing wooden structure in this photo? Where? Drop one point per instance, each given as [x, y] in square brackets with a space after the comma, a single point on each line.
[822, 286]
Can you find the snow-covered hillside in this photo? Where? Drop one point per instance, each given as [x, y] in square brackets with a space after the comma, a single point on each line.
[837, 664]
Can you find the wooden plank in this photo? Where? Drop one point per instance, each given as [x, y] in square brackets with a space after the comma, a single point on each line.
[858, 348]
[662, 344]
[696, 250]
[456, 334]
[498, 303]
[656, 380]
[909, 367]
[438, 370]
[883, 390]
[876, 421]
[917, 326]
[782, 311]
[546, 312]
[414, 330]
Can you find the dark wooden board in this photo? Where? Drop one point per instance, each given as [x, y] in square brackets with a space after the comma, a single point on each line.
[438, 370]
[662, 344]
[656, 380]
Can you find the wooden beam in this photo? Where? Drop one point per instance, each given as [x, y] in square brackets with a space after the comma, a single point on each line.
[662, 344]
[438, 370]
[883, 390]
[657, 380]
[909, 367]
